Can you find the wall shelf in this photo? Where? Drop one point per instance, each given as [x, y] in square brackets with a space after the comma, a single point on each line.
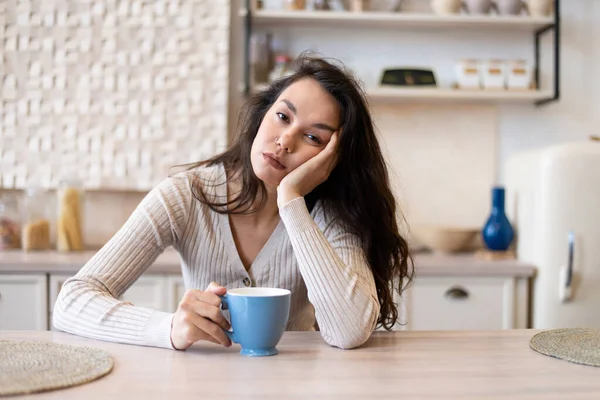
[505, 96]
[400, 94]
[341, 19]
[536, 26]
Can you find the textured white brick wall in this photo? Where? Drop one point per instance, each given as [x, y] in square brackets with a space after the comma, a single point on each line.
[111, 92]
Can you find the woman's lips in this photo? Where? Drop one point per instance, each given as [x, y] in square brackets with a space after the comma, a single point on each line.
[270, 159]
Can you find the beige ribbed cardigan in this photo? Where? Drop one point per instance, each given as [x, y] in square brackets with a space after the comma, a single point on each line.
[308, 253]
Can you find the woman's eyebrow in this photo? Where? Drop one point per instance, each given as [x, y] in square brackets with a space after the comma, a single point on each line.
[324, 126]
[290, 105]
[293, 109]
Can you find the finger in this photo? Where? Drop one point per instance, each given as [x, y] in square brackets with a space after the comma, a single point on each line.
[333, 141]
[213, 330]
[216, 289]
[211, 312]
[209, 338]
[328, 153]
[193, 333]
[331, 148]
[334, 138]
[188, 331]
[207, 297]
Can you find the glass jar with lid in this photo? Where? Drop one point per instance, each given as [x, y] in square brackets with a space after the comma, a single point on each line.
[69, 222]
[37, 218]
[10, 237]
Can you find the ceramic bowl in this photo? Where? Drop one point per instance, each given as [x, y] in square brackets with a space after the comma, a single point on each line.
[446, 239]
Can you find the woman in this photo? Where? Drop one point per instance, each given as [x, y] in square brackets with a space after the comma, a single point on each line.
[300, 201]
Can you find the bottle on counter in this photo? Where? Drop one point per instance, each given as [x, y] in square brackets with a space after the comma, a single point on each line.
[260, 57]
[69, 222]
[281, 68]
[10, 237]
[36, 221]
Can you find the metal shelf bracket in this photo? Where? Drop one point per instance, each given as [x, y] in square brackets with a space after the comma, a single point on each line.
[556, 50]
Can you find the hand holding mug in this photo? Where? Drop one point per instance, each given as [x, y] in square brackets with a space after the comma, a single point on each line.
[199, 317]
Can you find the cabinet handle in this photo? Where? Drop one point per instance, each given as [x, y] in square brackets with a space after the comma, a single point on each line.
[456, 293]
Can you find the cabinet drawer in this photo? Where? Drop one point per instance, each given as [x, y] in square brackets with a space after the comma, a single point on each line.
[437, 303]
[23, 302]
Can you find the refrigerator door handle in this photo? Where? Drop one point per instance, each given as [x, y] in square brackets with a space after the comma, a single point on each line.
[566, 273]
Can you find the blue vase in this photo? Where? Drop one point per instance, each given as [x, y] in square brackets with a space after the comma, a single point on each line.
[497, 232]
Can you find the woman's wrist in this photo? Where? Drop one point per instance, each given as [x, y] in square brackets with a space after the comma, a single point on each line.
[286, 194]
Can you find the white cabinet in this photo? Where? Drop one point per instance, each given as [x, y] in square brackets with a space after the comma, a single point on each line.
[431, 302]
[148, 291]
[175, 290]
[23, 302]
[466, 302]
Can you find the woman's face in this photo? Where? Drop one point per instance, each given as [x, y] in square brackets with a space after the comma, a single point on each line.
[296, 128]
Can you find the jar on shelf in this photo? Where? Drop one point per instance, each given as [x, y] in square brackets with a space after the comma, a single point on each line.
[281, 68]
[36, 221]
[10, 237]
[317, 5]
[294, 4]
[69, 221]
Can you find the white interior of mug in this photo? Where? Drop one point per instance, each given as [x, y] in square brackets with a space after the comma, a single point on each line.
[258, 292]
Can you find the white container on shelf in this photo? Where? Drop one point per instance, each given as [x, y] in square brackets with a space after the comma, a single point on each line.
[519, 75]
[493, 74]
[478, 6]
[468, 75]
[509, 7]
[445, 7]
[540, 8]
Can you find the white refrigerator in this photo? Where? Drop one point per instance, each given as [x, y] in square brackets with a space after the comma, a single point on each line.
[553, 202]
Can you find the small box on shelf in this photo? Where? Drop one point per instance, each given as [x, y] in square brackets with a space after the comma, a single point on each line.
[468, 75]
[519, 75]
[494, 75]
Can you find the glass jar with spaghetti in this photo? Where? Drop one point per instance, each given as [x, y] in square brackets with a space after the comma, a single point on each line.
[69, 221]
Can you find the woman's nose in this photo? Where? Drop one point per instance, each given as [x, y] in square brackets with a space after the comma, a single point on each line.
[286, 142]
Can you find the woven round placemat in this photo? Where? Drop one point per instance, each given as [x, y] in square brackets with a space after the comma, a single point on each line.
[577, 345]
[30, 367]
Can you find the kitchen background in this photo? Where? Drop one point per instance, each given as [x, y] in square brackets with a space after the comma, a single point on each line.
[99, 99]
[116, 92]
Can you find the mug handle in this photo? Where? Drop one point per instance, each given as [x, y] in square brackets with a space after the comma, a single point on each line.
[225, 306]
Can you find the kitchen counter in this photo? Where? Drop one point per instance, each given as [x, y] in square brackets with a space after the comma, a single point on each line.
[16, 261]
[391, 365]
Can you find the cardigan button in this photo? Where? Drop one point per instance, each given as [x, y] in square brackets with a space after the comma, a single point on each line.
[247, 281]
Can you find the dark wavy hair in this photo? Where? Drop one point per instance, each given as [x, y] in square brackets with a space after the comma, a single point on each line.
[357, 192]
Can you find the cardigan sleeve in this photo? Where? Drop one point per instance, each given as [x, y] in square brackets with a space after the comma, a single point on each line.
[338, 278]
[88, 303]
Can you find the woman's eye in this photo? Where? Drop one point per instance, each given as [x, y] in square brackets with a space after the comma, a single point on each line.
[282, 116]
[314, 138]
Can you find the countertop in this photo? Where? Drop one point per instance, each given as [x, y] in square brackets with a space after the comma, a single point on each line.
[391, 365]
[17, 261]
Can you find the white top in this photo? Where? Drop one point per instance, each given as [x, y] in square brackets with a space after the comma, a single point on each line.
[308, 253]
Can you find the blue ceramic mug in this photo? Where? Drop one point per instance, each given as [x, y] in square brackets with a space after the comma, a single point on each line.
[258, 318]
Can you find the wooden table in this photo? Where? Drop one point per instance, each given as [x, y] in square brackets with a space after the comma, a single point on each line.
[392, 365]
